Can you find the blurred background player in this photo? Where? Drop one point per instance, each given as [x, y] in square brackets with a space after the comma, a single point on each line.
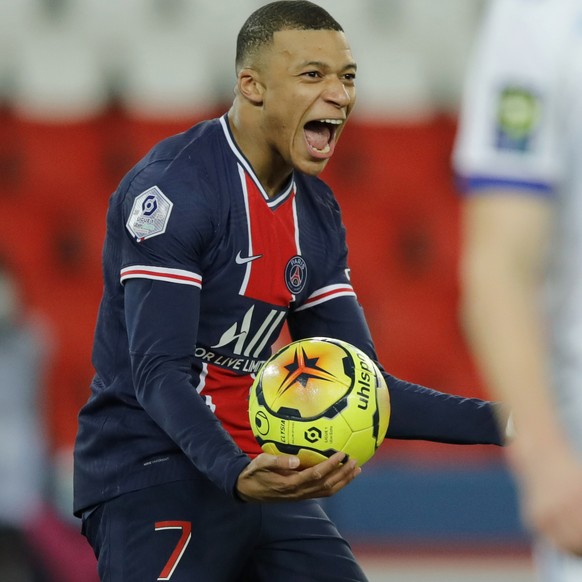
[23, 471]
[519, 156]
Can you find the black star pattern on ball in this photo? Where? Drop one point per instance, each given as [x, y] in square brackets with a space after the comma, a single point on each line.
[301, 369]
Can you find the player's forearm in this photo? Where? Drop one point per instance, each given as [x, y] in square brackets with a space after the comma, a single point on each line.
[165, 393]
[421, 413]
[160, 349]
[502, 268]
[504, 327]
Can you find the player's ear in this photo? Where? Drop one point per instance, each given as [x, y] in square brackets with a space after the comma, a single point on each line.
[250, 86]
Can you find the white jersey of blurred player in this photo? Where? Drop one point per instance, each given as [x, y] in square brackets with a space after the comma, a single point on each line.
[521, 125]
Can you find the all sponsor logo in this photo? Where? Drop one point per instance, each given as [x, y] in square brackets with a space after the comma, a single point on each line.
[246, 365]
[241, 346]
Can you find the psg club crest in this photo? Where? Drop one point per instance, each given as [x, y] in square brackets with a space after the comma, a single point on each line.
[296, 274]
[149, 214]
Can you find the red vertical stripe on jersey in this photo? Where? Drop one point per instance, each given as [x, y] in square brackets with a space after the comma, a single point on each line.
[227, 390]
[272, 233]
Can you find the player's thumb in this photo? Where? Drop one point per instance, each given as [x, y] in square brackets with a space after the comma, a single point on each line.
[287, 461]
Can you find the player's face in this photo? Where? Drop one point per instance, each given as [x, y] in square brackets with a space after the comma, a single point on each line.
[308, 78]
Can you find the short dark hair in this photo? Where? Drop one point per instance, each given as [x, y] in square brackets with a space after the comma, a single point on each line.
[260, 26]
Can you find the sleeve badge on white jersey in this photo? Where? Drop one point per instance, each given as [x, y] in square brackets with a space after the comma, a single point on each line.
[150, 214]
[518, 117]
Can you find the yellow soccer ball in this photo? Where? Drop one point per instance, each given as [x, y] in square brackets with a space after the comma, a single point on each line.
[317, 396]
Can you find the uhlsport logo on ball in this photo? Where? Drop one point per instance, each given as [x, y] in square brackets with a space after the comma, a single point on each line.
[317, 396]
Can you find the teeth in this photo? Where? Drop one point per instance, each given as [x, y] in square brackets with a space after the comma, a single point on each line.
[325, 150]
[332, 121]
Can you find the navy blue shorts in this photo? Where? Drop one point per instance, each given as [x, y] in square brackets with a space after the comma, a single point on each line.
[189, 531]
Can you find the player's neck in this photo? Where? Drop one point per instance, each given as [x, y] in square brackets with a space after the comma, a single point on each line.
[271, 170]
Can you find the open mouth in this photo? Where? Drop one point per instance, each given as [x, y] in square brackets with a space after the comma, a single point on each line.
[320, 136]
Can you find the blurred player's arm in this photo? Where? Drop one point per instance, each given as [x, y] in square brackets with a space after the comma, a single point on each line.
[505, 244]
[506, 235]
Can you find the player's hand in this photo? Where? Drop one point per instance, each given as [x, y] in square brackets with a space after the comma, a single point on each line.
[278, 478]
[551, 501]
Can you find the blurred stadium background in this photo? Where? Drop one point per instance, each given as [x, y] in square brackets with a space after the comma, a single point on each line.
[88, 86]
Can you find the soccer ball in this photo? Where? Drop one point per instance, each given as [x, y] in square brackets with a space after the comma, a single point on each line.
[317, 396]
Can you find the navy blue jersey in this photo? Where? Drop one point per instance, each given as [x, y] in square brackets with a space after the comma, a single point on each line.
[201, 271]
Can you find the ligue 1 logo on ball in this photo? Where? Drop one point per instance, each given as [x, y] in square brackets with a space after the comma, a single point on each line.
[312, 434]
[296, 274]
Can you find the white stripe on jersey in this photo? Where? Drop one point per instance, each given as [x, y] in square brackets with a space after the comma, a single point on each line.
[243, 182]
[161, 274]
[202, 384]
[326, 294]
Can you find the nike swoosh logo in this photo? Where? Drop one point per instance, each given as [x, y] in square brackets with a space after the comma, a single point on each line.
[244, 260]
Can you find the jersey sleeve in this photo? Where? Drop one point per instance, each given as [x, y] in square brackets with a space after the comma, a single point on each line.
[168, 225]
[162, 322]
[509, 125]
[169, 221]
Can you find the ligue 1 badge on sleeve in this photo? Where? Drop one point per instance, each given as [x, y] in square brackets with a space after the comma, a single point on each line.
[150, 214]
[519, 112]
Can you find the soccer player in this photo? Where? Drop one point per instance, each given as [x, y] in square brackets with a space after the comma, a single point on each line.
[519, 155]
[214, 240]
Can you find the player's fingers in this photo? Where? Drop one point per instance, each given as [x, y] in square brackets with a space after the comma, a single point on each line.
[566, 532]
[328, 477]
[560, 522]
[276, 462]
[340, 478]
[571, 542]
[322, 470]
[289, 462]
[566, 538]
[323, 481]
